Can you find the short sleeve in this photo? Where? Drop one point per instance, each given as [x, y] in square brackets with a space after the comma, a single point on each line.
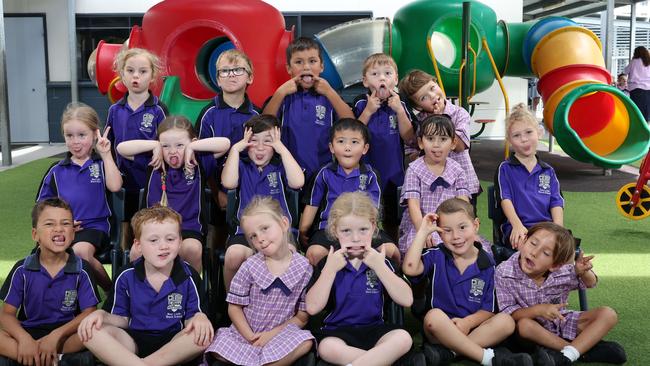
[195, 295]
[505, 296]
[411, 187]
[556, 195]
[240, 287]
[48, 188]
[359, 104]
[461, 121]
[87, 292]
[119, 302]
[302, 305]
[461, 185]
[12, 291]
[203, 122]
[488, 294]
[502, 183]
[374, 188]
[429, 261]
[316, 191]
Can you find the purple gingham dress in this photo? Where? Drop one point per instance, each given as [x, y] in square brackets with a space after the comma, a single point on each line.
[417, 184]
[461, 120]
[515, 290]
[267, 304]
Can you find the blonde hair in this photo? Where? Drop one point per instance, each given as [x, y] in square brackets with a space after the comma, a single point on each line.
[378, 59]
[520, 113]
[565, 245]
[80, 112]
[157, 214]
[125, 54]
[169, 123]
[269, 206]
[414, 81]
[352, 203]
[233, 56]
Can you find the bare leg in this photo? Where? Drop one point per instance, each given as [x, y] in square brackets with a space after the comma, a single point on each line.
[236, 254]
[114, 346]
[493, 330]
[392, 252]
[335, 350]
[593, 325]
[388, 349]
[438, 326]
[86, 251]
[289, 359]
[72, 344]
[180, 349]
[192, 252]
[315, 253]
[8, 345]
[533, 331]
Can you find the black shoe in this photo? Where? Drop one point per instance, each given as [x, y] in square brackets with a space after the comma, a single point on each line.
[308, 359]
[558, 357]
[324, 363]
[412, 358]
[541, 357]
[6, 361]
[84, 358]
[437, 354]
[503, 357]
[604, 351]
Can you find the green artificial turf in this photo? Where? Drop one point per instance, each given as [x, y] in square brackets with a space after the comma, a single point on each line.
[621, 247]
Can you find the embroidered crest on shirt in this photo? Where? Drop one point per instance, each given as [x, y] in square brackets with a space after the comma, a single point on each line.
[363, 182]
[147, 122]
[69, 299]
[189, 175]
[272, 178]
[174, 304]
[372, 282]
[476, 290]
[544, 184]
[94, 173]
[392, 121]
[320, 114]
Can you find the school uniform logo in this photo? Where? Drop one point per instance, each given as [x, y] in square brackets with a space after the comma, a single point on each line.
[392, 122]
[147, 122]
[372, 282]
[320, 114]
[544, 184]
[476, 290]
[94, 173]
[363, 182]
[272, 178]
[69, 300]
[174, 304]
[189, 176]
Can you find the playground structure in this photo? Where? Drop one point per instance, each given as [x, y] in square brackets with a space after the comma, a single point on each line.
[592, 121]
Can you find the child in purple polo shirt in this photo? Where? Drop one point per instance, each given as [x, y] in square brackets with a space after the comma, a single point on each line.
[178, 180]
[461, 318]
[307, 106]
[431, 178]
[50, 292]
[266, 299]
[267, 169]
[153, 314]
[351, 284]
[527, 187]
[533, 286]
[349, 142]
[229, 110]
[390, 127]
[82, 179]
[427, 98]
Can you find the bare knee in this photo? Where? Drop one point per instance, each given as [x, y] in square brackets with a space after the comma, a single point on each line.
[315, 253]
[84, 250]
[433, 319]
[328, 347]
[608, 315]
[235, 256]
[504, 323]
[402, 340]
[526, 327]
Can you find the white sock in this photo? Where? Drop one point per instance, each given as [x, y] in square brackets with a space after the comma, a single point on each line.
[571, 353]
[488, 355]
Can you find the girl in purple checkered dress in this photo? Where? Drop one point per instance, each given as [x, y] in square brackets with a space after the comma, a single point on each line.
[533, 286]
[266, 300]
[430, 179]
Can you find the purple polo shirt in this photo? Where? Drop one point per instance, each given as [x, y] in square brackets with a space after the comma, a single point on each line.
[532, 194]
[458, 294]
[141, 124]
[306, 118]
[184, 192]
[356, 298]
[270, 181]
[83, 187]
[164, 311]
[331, 181]
[41, 299]
[386, 152]
[218, 119]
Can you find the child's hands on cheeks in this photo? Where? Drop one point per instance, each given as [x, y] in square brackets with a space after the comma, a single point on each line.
[156, 157]
[202, 328]
[335, 260]
[276, 141]
[290, 86]
[372, 258]
[373, 103]
[321, 86]
[244, 143]
[394, 102]
[583, 264]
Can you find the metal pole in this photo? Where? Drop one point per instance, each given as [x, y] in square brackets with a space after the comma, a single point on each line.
[72, 48]
[465, 85]
[632, 29]
[610, 35]
[5, 137]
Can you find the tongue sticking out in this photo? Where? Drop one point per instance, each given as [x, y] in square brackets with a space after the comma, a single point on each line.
[383, 93]
[173, 160]
[307, 78]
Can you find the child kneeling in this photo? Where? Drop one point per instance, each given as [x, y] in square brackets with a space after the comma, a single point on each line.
[461, 319]
[533, 286]
[153, 315]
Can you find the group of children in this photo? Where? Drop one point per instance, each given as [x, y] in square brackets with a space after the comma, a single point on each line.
[354, 167]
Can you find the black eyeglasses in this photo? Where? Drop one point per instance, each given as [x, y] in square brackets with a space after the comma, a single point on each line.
[237, 71]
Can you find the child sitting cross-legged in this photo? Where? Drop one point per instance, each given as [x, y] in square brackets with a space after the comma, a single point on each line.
[462, 318]
[153, 315]
[533, 286]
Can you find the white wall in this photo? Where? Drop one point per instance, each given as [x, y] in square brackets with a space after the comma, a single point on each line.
[58, 58]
